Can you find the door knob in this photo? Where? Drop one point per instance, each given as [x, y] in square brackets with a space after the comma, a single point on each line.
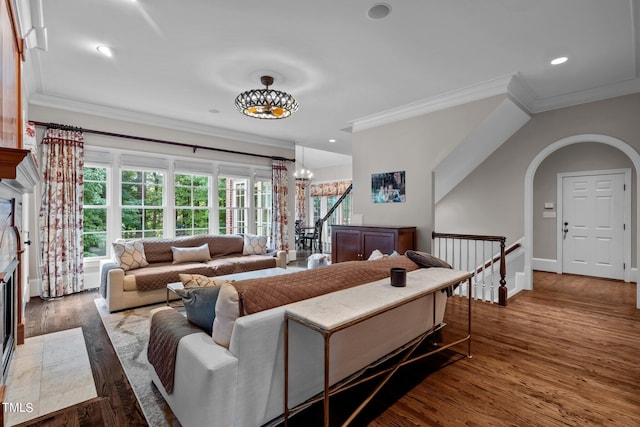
[566, 228]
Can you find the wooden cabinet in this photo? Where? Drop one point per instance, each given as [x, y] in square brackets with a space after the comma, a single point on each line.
[354, 243]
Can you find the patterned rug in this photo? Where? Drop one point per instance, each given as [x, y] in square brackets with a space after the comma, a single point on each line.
[129, 333]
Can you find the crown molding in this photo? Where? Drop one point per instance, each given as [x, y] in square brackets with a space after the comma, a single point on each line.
[440, 102]
[67, 104]
[627, 87]
[514, 85]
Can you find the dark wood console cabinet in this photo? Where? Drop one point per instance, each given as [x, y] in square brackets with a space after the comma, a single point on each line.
[355, 243]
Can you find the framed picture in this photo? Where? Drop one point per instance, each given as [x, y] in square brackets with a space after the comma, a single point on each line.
[388, 187]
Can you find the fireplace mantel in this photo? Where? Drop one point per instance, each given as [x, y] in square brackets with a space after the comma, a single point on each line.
[18, 170]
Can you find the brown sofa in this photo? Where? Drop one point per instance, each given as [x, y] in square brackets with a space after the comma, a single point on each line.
[147, 285]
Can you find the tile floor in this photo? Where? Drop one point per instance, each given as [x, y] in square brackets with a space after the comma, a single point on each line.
[48, 372]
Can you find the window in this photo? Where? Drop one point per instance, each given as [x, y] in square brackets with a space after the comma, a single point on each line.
[346, 210]
[317, 205]
[191, 204]
[263, 207]
[233, 205]
[95, 210]
[142, 204]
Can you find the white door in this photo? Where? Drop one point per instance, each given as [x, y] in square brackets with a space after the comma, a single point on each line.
[592, 225]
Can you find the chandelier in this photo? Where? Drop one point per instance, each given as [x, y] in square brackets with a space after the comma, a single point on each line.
[303, 174]
[266, 103]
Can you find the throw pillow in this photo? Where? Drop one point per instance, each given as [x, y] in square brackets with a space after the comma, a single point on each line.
[129, 254]
[200, 305]
[376, 254]
[426, 260]
[195, 254]
[227, 312]
[254, 245]
[316, 260]
[199, 281]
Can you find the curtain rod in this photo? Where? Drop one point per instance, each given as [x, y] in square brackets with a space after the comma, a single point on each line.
[178, 144]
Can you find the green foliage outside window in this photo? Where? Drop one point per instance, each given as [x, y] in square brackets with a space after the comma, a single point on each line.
[95, 212]
[192, 204]
[143, 189]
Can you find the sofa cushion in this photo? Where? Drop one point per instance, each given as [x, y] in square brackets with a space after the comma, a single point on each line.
[200, 305]
[226, 313]
[240, 264]
[159, 250]
[254, 245]
[130, 254]
[192, 254]
[426, 260]
[157, 276]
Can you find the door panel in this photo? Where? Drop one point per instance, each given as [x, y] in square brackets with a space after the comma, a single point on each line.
[593, 218]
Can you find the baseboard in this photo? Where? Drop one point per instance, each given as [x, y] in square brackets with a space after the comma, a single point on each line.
[541, 264]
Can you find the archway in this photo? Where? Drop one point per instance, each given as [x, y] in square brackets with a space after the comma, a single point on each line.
[528, 193]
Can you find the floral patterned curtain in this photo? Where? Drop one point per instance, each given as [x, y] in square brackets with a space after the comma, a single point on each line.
[280, 182]
[61, 211]
[301, 199]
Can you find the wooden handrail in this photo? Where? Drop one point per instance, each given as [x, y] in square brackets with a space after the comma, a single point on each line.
[502, 289]
[497, 257]
[467, 237]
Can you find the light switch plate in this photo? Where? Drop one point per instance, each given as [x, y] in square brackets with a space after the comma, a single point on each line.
[548, 214]
[548, 205]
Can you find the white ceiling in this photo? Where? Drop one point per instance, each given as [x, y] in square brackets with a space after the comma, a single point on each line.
[176, 60]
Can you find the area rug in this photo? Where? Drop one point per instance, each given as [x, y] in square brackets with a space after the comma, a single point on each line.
[129, 333]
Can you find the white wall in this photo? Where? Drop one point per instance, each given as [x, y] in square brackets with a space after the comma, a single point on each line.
[491, 199]
[332, 173]
[415, 146]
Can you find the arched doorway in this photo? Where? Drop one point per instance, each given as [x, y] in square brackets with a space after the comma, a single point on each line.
[528, 191]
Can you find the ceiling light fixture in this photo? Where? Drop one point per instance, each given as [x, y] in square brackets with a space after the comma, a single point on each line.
[559, 60]
[332, 140]
[266, 103]
[105, 50]
[303, 174]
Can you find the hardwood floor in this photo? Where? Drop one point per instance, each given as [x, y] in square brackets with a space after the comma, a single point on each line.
[566, 353]
[116, 404]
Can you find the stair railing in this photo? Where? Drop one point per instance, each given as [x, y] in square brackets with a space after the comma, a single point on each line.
[320, 222]
[479, 255]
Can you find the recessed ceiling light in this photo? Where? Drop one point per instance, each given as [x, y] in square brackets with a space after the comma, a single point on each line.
[559, 60]
[105, 50]
[379, 11]
[332, 140]
[214, 111]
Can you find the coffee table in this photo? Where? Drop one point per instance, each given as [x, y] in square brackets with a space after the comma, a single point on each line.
[255, 274]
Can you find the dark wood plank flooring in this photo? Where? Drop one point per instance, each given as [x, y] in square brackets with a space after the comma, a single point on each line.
[116, 404]
[567, 353]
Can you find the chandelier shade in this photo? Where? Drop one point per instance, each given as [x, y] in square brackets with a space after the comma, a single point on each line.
[266, 103]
